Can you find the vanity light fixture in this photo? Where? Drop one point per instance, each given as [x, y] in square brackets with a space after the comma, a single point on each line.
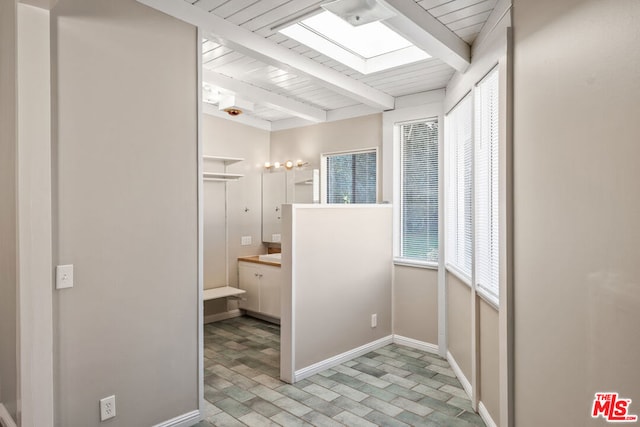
[288, 165]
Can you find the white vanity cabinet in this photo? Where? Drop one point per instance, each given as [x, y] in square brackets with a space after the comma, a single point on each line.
[262, 283]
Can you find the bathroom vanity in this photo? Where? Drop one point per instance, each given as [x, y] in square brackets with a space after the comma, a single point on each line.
[261, 278]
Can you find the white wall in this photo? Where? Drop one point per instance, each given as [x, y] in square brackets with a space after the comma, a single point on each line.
[337, 271]
[125, 170]
[8, 258]
[225, 218]
[577, 206]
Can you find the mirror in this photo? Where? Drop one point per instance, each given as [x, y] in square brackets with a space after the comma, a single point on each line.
[294, 186]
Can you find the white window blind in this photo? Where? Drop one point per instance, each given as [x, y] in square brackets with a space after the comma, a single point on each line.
[486, 186]
[419, 191]
[351, 177]
[459, 185]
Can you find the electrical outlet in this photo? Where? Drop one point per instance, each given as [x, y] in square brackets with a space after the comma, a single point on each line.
[107, 408]
[276, 238]
[374, 320]
[245, 240]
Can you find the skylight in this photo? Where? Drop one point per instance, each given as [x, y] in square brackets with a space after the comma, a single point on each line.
[367, 48]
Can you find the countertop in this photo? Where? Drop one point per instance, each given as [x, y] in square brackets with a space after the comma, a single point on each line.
[255, 259]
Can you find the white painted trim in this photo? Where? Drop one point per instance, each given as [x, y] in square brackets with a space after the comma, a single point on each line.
[485, 415]
[200, 219]
[341, 358]
[401, 262]
[6, 418]
[251, 44]
[35, 218]
[265, 97]
[288, 296]
[466, 385]
[418, 345]
[184, 420]
[222, 316]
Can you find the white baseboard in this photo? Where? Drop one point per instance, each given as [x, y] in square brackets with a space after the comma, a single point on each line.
[184, 420]
[222, 316]
[456, 370]
[341, 358]
[5, 418]
[485, 415]
[418, 345]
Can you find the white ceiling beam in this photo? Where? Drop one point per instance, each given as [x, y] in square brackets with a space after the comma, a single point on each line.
[264, 97]
[423, 30]
[256, 46]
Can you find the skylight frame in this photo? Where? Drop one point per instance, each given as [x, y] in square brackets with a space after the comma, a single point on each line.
[316, 40]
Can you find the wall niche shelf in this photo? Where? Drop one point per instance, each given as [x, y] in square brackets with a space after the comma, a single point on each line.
[222, 176]
[226, 160]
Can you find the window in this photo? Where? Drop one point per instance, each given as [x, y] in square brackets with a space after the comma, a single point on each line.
[486, 186]
[350, 177]
[366, 48]
[459, 188]
[419, 191]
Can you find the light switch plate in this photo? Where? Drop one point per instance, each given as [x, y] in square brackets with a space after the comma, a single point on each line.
[245, 240]
[64, 276]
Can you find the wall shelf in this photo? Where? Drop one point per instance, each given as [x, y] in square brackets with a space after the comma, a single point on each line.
[225, 160]
[221, 176]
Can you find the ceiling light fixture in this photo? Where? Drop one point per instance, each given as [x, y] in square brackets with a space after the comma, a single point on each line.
[233, 111]
[359, 12]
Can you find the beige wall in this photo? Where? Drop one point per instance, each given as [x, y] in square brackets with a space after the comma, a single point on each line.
[488, 50]
[222, 137]
[342, 259]
[577, 206]
[489, 359]
[126, 204]
[415, 303]
[8, 260]
[459, 322]
[310, 142]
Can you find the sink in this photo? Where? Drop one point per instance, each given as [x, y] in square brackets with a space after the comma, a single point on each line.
[277, 258]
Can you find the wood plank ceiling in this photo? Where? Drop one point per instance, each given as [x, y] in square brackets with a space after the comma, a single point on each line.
[465, 18]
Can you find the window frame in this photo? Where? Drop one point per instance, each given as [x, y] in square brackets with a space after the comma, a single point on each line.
[493, 200]
[451, 201]
[323, 170]
[398, 191]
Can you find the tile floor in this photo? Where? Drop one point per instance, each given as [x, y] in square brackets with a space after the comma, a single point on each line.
[392, 386]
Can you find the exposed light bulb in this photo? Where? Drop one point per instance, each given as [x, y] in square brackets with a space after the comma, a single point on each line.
[276, 165]
[288, 164]
[267, 165]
